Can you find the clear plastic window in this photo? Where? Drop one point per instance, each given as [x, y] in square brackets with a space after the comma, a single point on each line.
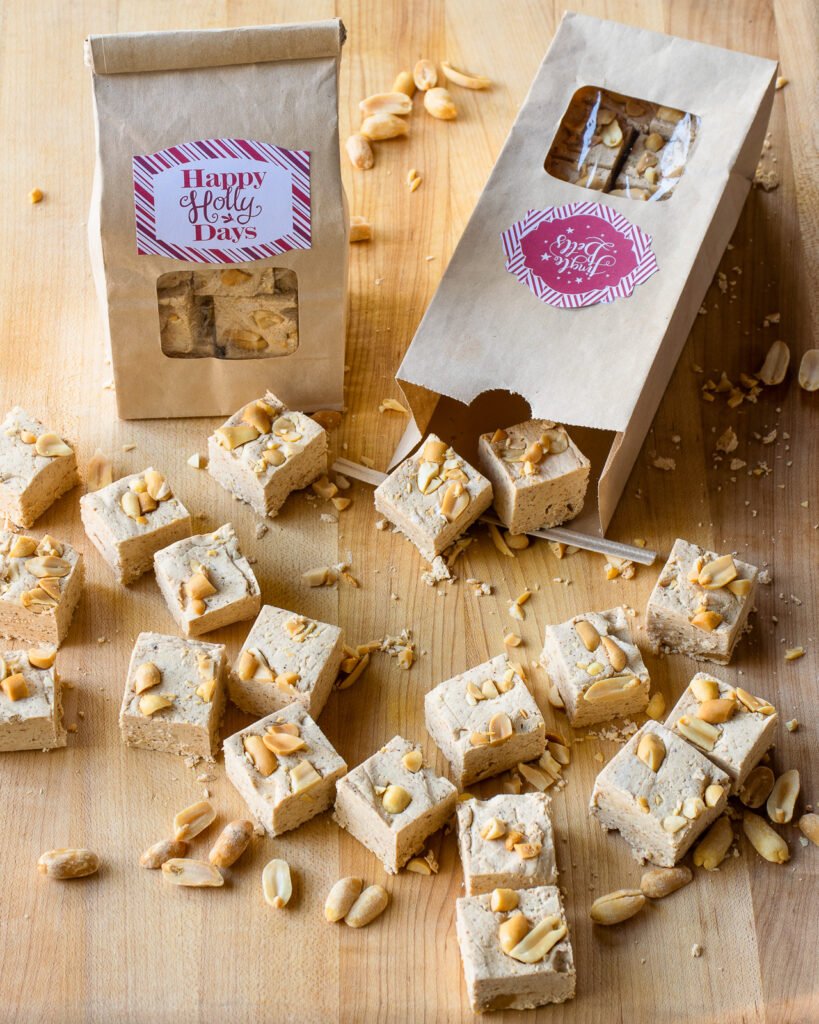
[621, 145]
[229, 313]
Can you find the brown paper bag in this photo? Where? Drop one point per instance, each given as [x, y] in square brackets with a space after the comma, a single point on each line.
[218, 225]
[554, 331]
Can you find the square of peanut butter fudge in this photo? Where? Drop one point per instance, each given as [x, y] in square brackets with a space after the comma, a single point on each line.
[174, 695]
[40, 585]
[36, 467]
[207, 582]
[392, 803]
[539, 475]
[660, 793]
[284, 768]
[131, 519]
[264, 452]
[485, 721]
[700, 603]
[433, 497]
[286, 657]
[31, 706]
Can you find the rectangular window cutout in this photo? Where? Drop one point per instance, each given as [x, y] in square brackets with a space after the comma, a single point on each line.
[623, 146]
[228, 313]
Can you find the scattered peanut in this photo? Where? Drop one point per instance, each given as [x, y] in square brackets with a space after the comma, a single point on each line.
[659, 882]
[765, 841]
[440, 104]
[231, 844]
[424, 75]
[193, 820]
[277, 883]
[617, 906]
[360, 230]
[194, 874]
[783, 796]
[68, 863]
[712, 850]
[166, 849]
[341, 898]
[372, 902]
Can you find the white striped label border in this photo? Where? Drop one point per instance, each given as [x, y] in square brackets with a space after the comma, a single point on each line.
[597, 228]
[222, 201]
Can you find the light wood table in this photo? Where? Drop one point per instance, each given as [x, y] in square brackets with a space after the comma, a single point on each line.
[123, 946]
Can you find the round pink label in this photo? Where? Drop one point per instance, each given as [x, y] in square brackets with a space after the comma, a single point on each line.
[578, 255]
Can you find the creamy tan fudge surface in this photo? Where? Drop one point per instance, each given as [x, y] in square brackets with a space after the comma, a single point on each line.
[31, 708]
[235, 281]
[36, 467]
[252, 328]
[700, 603]
[174, 695]
[131, 519]
[485, 721]
[284, 768]
[264, 452]
[497, 981]
[539, 475]
[286, 657]
[40, 584]
[596, 667]
[185, 320]
[659, 810]
[207, 582]
[733, 727]
[433, 497]
[392, 803]
[506, 842]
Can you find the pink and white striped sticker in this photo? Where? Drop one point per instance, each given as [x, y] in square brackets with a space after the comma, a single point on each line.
[222, 201]
[578, 254]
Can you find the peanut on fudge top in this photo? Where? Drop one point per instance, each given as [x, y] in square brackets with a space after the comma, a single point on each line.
[509, 833]
[31, 696]
[136, 504]
[34, 573]
[595, 647]
[707, 589]
[26, 448]
[535, 451]
[285, 649]
[265, 436]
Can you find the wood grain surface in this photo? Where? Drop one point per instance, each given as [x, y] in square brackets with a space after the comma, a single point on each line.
[123, 946]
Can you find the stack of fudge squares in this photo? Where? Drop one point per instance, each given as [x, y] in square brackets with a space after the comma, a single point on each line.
[533, 472]
[231, 313]
[41, 581]
[623, 146]
[671, 781]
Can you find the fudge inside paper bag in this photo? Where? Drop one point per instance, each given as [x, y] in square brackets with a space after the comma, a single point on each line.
[575, 284]
[218, 224]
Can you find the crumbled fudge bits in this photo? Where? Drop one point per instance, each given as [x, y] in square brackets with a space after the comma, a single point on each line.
[36, 467]
[700, 603]
[131, 519]
[207, 582]
[284, 768]
[596, 667]
[264, 452]
[433, 497]
[485, 721]
[40, 584]
[539, 476]
[286, 657]
[516, 958]
[660, 793]
[506, 843]
[174, 695]
[392, 803]
[31, 707]
[730, 726]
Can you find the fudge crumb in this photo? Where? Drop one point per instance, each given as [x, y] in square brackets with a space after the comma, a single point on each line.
[382, 524]
[438, 572]
[696, 950]
[764, 577]
[727, 441]
[261, 530]
[664, 463]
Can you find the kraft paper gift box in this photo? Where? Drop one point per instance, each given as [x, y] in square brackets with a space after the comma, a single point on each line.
[572, 290]
[218, 225]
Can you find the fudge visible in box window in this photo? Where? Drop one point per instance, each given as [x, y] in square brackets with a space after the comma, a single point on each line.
[40, 584]
[185, 319]
[596, 666]
[131, 519]
[174, 695]
[700, 603]
[433, 497]
[286, 657]
[539, 476]
[284, 768]
[36, 467]
[515, 949]
[660, 793]
[264, 452]
[31, 708]
[506, 842]
[207, 582]
[485, 721]
[731, 726]
[391, 803]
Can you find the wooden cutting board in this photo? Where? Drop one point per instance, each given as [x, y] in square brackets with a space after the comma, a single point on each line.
[123, 946]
